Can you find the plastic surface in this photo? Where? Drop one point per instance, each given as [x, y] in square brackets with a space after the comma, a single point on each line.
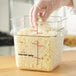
[40, 51]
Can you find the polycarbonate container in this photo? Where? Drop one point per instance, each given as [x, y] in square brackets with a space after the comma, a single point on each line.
[38, 47]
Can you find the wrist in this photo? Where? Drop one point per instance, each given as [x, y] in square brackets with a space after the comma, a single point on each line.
[67, 2]
[70, 3]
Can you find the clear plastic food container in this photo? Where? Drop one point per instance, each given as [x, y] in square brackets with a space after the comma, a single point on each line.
[38, 47]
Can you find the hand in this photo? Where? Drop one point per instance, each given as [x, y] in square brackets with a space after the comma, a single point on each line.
[45, 7]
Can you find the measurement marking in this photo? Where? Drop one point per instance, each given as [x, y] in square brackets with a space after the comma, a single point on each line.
[37, 51]
[37, 27]
[31, 55]
[38, 57]
[37, 44]
[27, 55]
[23, 54]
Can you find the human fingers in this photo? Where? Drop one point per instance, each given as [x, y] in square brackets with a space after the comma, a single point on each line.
[31, 16]
[35, 14]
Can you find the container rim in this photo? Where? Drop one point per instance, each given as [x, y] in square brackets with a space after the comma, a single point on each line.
[61, 18]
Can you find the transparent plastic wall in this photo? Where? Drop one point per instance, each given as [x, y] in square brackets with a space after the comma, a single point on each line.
[38, 47]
